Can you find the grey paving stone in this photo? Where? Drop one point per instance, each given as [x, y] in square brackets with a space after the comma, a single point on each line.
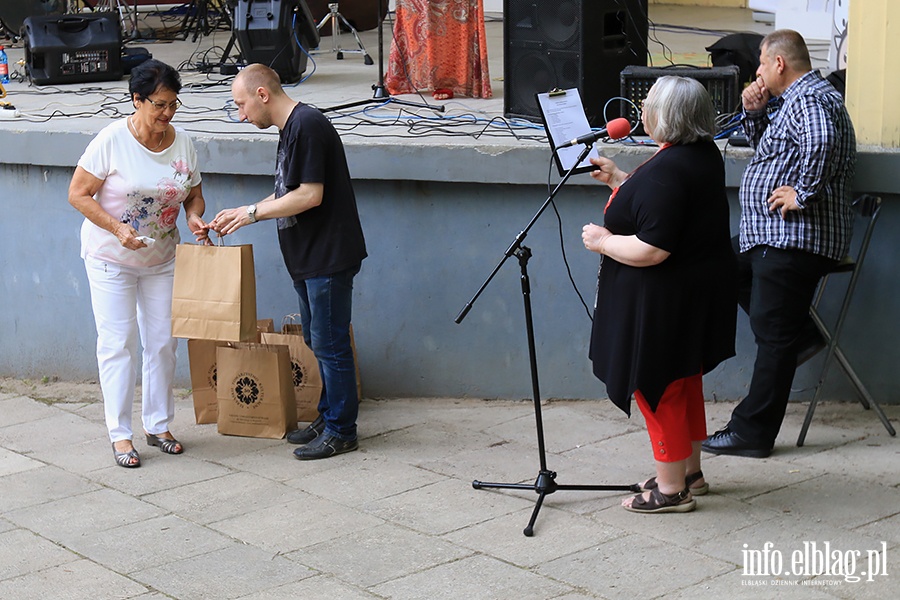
[222, 497]
[733, 585]
[634, 562]
[149, 543]
[830, 499]
[556, 533]
[78, 580]
[158, 472]
[367, 478]
[443, 507]
[37, 486]
[70, 518]
[884, 529]
[28, 436]
[320, 586]
[875, 458]
[787, 534]
[5, 525]
[301, 522]
[418, 445]
[278, 463]
[23, 552]
[16, 409]
[232, 572]
[378, 554]
[566, 426]
[474, 578]
[14, 462]
[746, 478]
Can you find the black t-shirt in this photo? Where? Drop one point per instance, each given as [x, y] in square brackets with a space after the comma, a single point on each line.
[653, 325]
[328, 238]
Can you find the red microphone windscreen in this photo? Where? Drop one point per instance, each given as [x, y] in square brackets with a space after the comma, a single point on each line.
[618, 128]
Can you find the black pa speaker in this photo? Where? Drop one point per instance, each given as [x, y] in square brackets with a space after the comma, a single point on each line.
[73, 48]
[565, 44]
[271, 31]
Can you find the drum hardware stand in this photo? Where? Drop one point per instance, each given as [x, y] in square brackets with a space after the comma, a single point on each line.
[336, 19]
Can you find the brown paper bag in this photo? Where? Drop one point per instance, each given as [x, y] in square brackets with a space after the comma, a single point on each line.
[291, 325]
[255, 390]
[214, 296]
[307, 379]
[202, 360]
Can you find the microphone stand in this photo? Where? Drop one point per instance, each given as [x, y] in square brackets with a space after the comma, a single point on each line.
[381, 96]
[545, 483]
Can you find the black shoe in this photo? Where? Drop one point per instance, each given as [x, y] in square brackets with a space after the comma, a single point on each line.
[325, 446]
[810, 343]
[728, 442]
[305, 436]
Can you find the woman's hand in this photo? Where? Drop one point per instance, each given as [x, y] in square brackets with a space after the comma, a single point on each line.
[607, 172]
[127, 236]
[594, 236]
[199, 228]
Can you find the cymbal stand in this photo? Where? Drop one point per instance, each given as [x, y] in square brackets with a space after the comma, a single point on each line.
[545, 484]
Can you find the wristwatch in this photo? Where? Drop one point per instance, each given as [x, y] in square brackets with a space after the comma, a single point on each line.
[251, 212]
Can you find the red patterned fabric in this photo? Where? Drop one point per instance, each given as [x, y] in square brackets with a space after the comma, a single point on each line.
[439, 44]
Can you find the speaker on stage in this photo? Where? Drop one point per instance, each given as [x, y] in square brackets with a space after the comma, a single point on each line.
[566, 44]
[73, 48]
[268, 31]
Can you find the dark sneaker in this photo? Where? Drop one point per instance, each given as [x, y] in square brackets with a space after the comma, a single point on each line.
[305, 436]
[325, 446]
[728, 442]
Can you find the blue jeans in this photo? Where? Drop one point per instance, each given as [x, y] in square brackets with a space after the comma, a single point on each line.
[325, 306]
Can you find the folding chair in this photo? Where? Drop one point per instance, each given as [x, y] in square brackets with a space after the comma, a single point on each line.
[868, 207]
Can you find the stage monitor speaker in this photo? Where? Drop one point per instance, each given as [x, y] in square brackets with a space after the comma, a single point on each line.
[73, 48]
[265, 32]
[566, 44]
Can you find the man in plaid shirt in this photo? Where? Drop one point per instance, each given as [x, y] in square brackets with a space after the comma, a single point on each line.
[795, 225]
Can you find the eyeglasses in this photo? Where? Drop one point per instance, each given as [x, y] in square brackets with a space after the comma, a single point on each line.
[160, 106]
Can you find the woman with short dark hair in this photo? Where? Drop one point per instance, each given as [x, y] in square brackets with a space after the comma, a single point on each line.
[665, 312]
[130, 185]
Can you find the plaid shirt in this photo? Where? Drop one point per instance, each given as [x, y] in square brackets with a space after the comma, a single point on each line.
[808, 144]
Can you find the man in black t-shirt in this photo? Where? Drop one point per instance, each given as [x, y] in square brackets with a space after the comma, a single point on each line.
[321, 240]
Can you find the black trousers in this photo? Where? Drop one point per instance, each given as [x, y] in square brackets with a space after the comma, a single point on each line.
[775, 288]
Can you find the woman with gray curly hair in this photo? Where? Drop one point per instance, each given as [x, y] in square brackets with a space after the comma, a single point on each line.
[665, 312]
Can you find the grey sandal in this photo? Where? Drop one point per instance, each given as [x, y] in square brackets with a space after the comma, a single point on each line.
[169, 446]
[124, 459]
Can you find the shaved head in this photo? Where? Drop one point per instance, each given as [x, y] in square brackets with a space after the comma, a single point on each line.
[257, 76]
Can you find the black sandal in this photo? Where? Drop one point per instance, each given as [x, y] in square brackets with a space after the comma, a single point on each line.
[662, 503]
[702, 490]
[123, 459]
[165, 444]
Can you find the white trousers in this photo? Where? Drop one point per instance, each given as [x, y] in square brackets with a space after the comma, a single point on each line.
[127, 302]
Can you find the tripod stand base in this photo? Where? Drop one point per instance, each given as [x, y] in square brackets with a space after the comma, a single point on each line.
[544, 485]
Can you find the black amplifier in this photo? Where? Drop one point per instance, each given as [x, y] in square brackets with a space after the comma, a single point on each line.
[722, 83]
[73, 48]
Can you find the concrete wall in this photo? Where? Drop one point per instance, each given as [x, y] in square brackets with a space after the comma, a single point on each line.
[435, 228]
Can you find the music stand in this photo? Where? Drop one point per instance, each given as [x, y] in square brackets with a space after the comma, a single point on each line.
[545, 483]
[381, 96]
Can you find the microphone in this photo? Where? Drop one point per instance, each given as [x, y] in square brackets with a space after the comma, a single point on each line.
[615, 129]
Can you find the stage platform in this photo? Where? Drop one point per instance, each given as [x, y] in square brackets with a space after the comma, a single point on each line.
[477, 127]
[441, 195]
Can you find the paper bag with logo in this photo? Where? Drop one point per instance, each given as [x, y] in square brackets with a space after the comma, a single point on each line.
[307, 380]
[255, 390]
[214, 296]
[291, 325]
[202, 360]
